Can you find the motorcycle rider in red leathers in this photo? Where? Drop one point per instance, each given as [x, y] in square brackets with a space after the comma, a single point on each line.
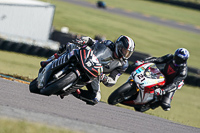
[120, 51]
[175, 71]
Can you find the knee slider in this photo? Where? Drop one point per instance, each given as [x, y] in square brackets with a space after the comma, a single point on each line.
[98, 96]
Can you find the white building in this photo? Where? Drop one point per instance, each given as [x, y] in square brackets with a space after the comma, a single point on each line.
[26, 18]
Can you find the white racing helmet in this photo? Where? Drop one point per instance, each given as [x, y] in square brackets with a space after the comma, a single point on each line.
[124, 47]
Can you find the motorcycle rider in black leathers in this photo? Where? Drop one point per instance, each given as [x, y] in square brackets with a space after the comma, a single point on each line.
[175, 71]
[117, 63]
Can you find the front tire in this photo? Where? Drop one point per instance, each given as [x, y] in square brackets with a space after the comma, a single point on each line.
[33, 87]
[59, 85]
[122, 93]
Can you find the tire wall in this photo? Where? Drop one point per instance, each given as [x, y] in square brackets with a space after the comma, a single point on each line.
[25, 48]
[182, 3]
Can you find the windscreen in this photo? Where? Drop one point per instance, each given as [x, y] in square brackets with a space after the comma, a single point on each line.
[102, 52]
[153, 72]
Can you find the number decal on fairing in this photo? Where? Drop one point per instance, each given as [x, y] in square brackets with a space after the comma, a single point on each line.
[89, 64]
[141, 77]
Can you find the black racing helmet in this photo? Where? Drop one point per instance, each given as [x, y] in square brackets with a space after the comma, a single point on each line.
[124, 47]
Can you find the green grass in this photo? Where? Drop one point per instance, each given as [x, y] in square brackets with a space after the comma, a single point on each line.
[150, 38]
[21, 126]
[19, 64]
[185, 105]
[184, 108]
[149, 8]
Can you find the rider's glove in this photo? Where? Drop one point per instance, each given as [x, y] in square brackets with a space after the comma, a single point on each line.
[137, 63]
[159, 92]
[85, 40]
[103, 78]
[67, 47]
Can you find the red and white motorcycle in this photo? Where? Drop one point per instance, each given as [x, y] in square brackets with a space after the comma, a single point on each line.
[140, 91]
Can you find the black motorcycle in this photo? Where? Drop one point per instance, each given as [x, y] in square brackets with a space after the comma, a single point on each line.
[71, 71]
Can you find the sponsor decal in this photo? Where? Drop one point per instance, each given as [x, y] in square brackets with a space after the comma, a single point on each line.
[170, 70]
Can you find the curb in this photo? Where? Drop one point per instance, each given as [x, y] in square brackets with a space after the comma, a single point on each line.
[14, 79]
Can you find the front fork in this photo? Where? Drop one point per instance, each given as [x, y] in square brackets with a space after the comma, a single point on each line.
[134, 90]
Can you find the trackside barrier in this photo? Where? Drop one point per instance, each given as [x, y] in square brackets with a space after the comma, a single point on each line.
[25, 48]
[186, 3]
[135, 56]
[192, 80]
[194, 70]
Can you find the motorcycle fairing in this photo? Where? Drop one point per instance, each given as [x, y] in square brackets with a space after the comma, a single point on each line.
[144, 96]
[87, 59]
[44, 75]
[105, 57]
[146, 77]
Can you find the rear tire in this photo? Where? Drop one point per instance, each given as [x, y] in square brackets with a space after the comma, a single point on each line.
[59, 85]
[126, 90]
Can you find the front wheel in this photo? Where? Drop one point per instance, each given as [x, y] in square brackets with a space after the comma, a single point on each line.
[59, 85]
[124, 92]
[33, 87]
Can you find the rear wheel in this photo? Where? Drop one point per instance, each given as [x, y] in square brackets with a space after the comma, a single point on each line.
[59, 85]
[124, 92]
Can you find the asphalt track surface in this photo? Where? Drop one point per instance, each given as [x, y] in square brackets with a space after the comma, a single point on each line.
[16, 101]
[156, 20]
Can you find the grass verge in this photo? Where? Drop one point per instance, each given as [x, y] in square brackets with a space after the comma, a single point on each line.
[8, 125]
[157, 9]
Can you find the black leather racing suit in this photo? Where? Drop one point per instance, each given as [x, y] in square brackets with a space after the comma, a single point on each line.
[112, 66]
[173, 75]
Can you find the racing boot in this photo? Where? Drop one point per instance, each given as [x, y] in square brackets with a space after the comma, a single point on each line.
[86, 96]
[165, 106]
[166, 101]
[76, 94]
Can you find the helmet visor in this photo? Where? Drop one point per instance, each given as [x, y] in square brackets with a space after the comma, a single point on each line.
[126, 53]
[178, 61]
[123, 52]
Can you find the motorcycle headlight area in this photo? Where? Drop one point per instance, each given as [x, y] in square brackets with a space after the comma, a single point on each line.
[153, 72]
